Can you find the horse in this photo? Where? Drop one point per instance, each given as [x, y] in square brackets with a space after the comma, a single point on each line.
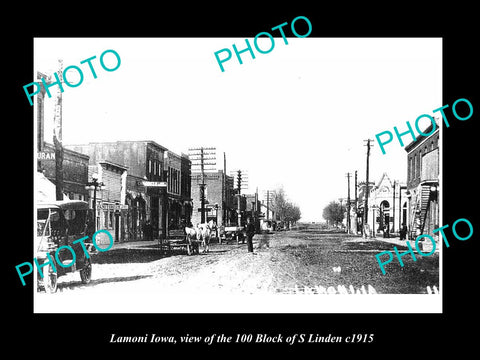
[191, 232]
[205, 233]
[201, 232]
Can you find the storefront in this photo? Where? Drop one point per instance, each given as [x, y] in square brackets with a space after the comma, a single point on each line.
[135, 217]
[112, 217]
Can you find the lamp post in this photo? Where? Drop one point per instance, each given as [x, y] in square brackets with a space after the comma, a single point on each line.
[94, 185]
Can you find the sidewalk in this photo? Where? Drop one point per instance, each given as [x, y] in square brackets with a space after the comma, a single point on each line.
[134, 244]
[396, 241]
[425, 247]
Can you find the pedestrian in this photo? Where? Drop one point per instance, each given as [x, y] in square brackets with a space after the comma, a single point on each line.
[148, 230]
[90, 225]
[250, 231]
[403, 232]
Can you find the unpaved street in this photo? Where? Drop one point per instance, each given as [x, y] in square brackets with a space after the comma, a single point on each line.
[298, 261]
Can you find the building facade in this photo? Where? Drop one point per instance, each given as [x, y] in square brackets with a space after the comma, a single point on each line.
[74, 170]
[144, 188]
[157, 191]
[110, 210]
[387, 206]
[219, 198]
[179, 206]
[423, 181]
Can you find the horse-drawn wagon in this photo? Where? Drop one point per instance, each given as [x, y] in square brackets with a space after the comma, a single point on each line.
[190, 238]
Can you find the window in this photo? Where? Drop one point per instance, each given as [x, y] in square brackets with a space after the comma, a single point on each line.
[414, 166]
[409, 170]
[42, 216]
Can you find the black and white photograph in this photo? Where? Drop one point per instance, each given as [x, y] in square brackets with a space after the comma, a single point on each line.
[296, 179]
[259, 183]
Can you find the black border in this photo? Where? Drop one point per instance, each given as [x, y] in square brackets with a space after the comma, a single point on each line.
[409, 333]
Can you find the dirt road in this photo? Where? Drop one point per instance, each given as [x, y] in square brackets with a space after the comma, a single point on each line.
[294, 262]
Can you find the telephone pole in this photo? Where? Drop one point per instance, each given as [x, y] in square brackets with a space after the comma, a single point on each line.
[355, 207]
[268, 200]
[202, 188]
[224, 191]
[348, 204]
[239, 187]
[393, 209]
[198, 156]
[365, 209]
[356, 196]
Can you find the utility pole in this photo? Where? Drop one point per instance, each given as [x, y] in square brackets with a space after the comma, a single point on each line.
[198, 156]
[239, 187]
[393, 209]
[355, 208]
[256, 211]
[365, 209]
[202, 189]
[94, 185]
[242, 182]
[356, 196]
[57, 137]
[224, 191]
[400, 208]
[268, 200]
[348, 204]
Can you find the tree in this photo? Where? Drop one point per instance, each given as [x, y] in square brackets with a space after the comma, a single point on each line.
[292, 213]
[334, 213]
[284, 209]
[279, 203]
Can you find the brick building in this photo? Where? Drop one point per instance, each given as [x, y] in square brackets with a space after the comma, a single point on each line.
[144, 191]
[157, 184]
[219, 198]
[423, 170]
[179, 207]
[75, 170]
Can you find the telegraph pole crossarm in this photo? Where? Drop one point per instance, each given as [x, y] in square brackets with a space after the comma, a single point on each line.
[201, 154]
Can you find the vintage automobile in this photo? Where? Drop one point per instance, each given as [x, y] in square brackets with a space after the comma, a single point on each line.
[59, 224]
[266, 226]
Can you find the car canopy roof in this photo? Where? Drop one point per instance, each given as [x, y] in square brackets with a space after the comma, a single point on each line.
[64, 205]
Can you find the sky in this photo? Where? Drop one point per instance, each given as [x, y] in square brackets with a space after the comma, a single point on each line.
[296, 117]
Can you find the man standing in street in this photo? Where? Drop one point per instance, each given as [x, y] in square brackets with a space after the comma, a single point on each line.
[250, 231]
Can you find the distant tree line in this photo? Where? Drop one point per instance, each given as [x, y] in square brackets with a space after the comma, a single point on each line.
[334, 213]
[285, 210]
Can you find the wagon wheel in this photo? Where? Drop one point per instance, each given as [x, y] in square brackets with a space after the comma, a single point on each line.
[49, 280]
[86, 272]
